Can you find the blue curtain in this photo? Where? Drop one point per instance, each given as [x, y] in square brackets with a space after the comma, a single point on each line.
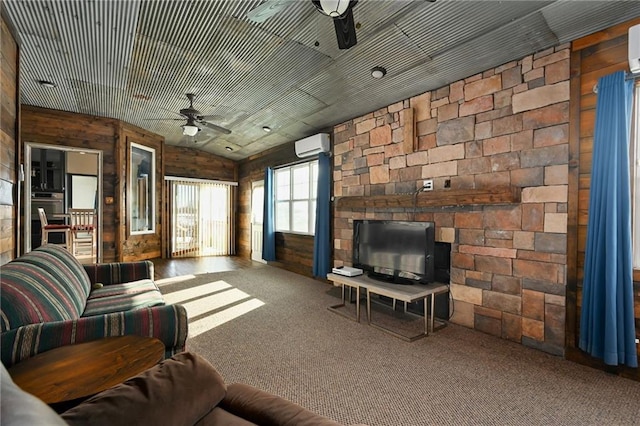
[607, 328]
[322, 240]
[269, 219]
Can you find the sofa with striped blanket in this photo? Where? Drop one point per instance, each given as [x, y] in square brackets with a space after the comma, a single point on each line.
[48, 299]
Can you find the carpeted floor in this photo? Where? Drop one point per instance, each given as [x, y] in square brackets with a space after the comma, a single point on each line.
[271, 328]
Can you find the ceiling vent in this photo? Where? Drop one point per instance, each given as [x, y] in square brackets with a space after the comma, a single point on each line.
[313, 145]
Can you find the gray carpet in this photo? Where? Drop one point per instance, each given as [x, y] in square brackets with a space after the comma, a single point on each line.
[294, 347]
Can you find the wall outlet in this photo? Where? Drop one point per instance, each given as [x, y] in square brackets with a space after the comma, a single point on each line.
[427, 185]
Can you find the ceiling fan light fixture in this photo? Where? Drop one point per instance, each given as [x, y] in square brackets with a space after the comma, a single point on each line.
[189, 130]
[378, 72]
[266, 128]
[333, 8]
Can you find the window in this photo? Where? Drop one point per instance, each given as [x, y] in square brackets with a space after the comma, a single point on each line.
[295, 191]
[635, 170]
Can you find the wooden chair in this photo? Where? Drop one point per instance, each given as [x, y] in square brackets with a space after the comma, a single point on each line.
[83, 233]
[47, 229]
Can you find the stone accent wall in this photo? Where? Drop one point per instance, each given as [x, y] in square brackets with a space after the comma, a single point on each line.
[507, 126]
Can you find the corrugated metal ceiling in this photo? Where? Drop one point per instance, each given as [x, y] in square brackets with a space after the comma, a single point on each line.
[135, 60]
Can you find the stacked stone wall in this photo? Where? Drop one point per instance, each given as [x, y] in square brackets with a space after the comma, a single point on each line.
[508, 126]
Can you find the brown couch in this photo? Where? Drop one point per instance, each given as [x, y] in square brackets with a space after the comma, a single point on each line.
[182, 390]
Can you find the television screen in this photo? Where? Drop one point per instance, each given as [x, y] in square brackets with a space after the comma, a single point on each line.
[396, 251]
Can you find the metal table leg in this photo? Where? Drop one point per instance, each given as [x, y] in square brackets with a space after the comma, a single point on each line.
[426, 329]
[433, 312]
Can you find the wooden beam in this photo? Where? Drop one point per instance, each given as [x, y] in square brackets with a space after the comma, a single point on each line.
[441, 198]
[408, 132]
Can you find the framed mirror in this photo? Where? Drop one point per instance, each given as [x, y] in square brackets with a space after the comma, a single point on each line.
[142, 182]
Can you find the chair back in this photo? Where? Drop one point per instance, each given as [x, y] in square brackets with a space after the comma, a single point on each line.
[82, 219]
[43, 217]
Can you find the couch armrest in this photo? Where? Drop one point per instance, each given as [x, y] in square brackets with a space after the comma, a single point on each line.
[166, 323]
[119, 272]
[266, 409]
[178, 391]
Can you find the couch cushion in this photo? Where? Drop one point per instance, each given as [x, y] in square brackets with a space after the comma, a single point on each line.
[21, 408]
[267, 409]
[30, 295]
[178, 391]
[219, 416]
[123, 302]
[135, 287]
[68, 272]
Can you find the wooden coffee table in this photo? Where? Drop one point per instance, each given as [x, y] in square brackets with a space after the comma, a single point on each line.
[75, 371]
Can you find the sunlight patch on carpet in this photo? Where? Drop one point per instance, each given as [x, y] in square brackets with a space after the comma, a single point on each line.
[175, 279]
[181, 296]
[214, 302]
[214, 320]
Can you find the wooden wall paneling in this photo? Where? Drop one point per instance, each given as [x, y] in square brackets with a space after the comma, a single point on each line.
[594, 56]
[293, 253]
[161, 194]
[9, 136]
[189, 162]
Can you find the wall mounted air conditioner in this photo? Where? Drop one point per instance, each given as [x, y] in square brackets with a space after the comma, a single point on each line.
[634, 49]
[313, 145]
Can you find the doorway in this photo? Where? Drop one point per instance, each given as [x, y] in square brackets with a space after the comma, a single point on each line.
[58, 178]
[201, 217]
[257, 212]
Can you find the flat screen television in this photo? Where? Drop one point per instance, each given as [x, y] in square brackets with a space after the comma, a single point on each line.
[395, 251]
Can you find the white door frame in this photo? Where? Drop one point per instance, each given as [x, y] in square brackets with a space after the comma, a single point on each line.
[256, 228]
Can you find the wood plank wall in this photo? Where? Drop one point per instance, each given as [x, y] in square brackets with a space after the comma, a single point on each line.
[194, 163]
[293, 252]
[592, 57]
[9, 119]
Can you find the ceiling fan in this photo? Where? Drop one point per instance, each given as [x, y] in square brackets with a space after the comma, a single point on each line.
[340, 10]
[195, 118]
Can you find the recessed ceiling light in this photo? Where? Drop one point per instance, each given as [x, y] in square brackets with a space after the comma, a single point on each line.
[378, 72]
[266, 128]
[229, 148]
[48, 84]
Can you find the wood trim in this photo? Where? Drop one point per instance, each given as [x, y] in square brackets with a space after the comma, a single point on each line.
[444, 198]
[573, 198]
[408, 131]
[576, 355]
[604, 35]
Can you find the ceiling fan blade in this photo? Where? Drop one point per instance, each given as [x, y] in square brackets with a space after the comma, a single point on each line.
[345, 30]
[266, 10]
[215, 117]
[215, 127]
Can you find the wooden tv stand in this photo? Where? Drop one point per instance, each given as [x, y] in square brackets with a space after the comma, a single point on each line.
[405, 293]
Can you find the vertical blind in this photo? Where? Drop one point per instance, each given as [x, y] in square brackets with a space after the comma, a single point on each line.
[201, 215]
